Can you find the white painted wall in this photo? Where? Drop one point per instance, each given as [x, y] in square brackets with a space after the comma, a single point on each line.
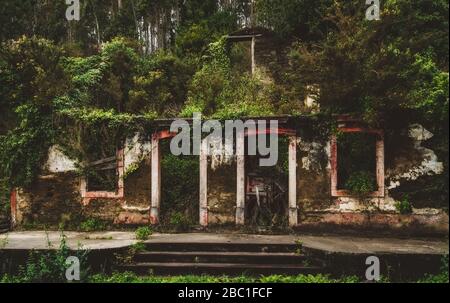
[136, 150]
[58, 162]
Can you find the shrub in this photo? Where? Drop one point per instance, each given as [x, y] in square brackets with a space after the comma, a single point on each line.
[361, 183]
[180, 221]
[50, 266]
[128, 277]
[127, 257]
[404, 206]
[180, 186]
[442, 277]
[92, 224]
[142, 233]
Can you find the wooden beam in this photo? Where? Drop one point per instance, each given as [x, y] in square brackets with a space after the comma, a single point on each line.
[204, 183]
[293, 213]
[156, 180]
[240, 177]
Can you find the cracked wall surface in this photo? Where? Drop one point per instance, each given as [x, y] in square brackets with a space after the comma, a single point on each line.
[55, 196]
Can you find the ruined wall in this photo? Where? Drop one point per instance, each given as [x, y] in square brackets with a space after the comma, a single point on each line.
[222, 193]
[271, 56]
[134, 208]
[51, 200]
[313, 175]
[407, 161]
[55, 200]
[55, 197]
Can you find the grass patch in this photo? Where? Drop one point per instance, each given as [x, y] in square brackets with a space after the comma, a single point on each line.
[143, 233]
[92, 224]
[132, 278]
[49, 266]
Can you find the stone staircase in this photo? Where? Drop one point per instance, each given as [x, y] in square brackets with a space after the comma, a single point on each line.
[221, 259]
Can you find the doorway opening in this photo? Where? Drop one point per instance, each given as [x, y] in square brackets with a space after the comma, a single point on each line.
[179, 189]
[266, 191]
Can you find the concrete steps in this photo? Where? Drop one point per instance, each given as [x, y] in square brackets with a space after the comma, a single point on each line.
[222, 246]
[225, 257]
[221, 259]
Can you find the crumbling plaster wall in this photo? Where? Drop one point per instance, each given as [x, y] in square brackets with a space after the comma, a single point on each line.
[221, 192]
[55, 197]
[410, 161]
[50, 201]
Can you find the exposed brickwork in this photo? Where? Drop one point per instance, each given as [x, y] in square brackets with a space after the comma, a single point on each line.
[56, 198]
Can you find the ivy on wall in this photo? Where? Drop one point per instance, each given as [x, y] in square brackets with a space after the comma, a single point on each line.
[109, 76]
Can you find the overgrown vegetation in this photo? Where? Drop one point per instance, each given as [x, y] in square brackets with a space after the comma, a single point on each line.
[92, 224]
[357, 163]
[143, 233]
[4, 202]
[128, 256]
[49, 266]
[442, 277]
[131, 278]
[121, 66]
[180, 184]
[319, 278]
[361, 183]
[404, 206]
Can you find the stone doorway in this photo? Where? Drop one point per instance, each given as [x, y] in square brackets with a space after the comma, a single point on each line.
[266, 192]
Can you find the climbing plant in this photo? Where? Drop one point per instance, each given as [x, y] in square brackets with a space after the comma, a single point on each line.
[126, 63]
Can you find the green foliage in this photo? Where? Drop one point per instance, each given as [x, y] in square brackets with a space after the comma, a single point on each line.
[137, 247]
[142, 233]
[202, 24]
[160, 85]
[429, 97]
[127, 257]
[26, 106]
[356, 163]
[4, 199]
[374, 69]
[132, 278]
[180, 185]
[50, 266]
[404, 206]
[92, 224]
[218, 93]
[118, 68]
[179, 221]
[442, 277]
[361, 183]
[292, 17]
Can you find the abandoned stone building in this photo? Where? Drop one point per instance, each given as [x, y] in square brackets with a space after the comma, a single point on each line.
[312, 187]
[306, 189]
